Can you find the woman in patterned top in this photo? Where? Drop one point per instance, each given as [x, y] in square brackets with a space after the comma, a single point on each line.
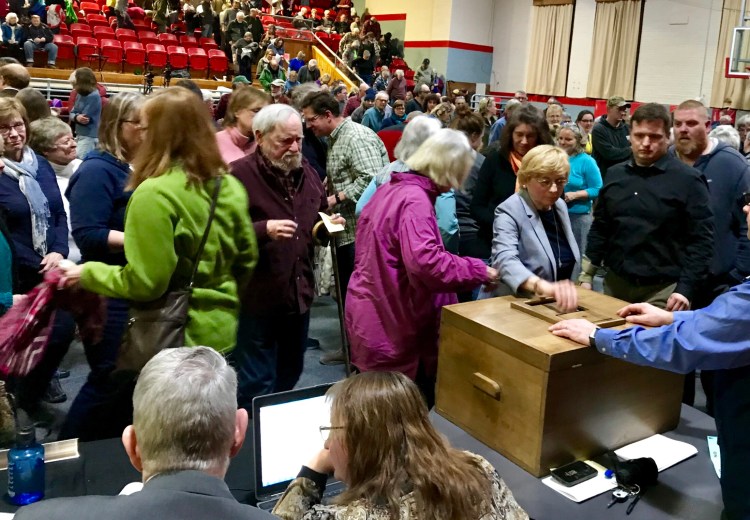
[382, 445]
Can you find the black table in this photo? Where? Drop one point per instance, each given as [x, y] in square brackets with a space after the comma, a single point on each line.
[689, 490]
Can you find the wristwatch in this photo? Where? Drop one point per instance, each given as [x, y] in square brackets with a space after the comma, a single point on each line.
[336, 196]
[592, 338]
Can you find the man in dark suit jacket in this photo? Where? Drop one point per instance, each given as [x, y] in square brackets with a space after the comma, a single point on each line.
[186, 427]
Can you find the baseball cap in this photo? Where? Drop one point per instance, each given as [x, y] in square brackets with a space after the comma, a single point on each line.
[617, 101]
[370, 94]
[241, 79]
[278, 83]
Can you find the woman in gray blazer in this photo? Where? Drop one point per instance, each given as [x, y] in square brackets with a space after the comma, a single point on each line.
[533, 246]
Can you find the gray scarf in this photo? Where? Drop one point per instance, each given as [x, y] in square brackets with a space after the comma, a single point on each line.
[25, 173]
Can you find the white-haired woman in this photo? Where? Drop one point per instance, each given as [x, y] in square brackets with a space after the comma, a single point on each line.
[416, 133]
[13, 34]
[402, 274]
[729, 135]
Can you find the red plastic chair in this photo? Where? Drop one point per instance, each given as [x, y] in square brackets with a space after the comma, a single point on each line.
[135, 55]
[146, 37]
[217, 61]
[64, 28]
[97, 20]
[104, 33]
[178, 57]
[198, 59]
[156, 55]
[111, 55]
[207, 44]
[87, 46]
[126, 35]
[188, 42]
[167, 39]
[90, 8]
[66, 50]
[79, 29]
[141, 25]
[178, 28]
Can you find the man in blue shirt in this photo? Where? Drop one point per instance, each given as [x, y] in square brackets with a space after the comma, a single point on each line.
[716, 337]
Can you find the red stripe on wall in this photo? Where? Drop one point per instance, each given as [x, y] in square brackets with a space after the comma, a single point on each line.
[449, 44]
[391, 17]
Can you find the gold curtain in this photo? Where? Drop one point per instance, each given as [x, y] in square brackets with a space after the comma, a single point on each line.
[615, 49]
[736, 90]
[547, 71]
[540, 3]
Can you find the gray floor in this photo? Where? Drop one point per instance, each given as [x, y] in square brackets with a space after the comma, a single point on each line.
[324, 326]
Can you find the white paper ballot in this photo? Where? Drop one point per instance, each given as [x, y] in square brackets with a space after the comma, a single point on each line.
[330, 226]
[715, 453]
[666, 452]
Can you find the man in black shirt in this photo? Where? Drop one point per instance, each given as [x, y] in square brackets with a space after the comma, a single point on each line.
[653, 224]
[39, 38]
[610, 136]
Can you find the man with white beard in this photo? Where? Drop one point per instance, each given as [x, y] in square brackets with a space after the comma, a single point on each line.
[285, 196]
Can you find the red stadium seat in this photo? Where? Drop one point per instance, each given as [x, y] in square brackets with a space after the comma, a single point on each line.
[80, 29]
[188, 41]
[178, 28]
[141, 25]
[87, 46]
[217, 61]
[135, 56]
[90, 8]
[111, 54]
[103, 33]
[208, 43]
[97, 20]
[126, 35]
[178, 58]
[198, 59]
[146, 37]
[156, 55]
[167, 39]
[64, 28]
[66, 51]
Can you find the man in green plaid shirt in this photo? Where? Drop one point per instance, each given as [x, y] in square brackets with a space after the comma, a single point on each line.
[355, 155]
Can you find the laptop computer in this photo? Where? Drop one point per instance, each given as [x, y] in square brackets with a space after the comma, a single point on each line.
[286, 434]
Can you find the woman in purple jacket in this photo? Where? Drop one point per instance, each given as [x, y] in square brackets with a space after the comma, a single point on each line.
[403, 274]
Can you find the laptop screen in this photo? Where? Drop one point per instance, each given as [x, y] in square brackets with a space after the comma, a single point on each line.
[287, 435]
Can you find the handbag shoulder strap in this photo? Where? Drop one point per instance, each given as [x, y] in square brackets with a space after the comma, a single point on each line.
[212, 212]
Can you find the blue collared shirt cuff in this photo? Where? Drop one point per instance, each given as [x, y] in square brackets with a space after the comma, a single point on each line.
[604, 340]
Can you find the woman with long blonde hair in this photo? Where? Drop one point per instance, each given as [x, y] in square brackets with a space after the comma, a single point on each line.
[175, 174]
[395, 464]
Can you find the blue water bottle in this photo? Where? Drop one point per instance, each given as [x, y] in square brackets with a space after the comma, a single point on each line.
[25, 467]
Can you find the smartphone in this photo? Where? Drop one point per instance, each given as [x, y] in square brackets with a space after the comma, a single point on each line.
[573, 473]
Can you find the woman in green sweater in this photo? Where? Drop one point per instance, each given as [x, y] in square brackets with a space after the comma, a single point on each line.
[173, 178]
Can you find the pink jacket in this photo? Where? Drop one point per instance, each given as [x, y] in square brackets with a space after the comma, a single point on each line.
[402, 277]
[233, 145]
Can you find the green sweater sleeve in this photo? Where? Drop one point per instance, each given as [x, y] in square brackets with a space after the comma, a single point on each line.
[149, 249]
[247, 244]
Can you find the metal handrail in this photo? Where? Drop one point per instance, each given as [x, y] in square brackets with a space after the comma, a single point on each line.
[337, 59]
[290, 18]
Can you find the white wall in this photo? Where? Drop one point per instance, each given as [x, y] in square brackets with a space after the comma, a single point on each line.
[678, 49]
[472, 21]
[580, 48]
[510, 39]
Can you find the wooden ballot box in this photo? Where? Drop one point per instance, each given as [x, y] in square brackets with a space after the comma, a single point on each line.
[540, 400]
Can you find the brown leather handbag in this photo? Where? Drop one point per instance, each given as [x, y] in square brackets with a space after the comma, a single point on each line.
[160, 324]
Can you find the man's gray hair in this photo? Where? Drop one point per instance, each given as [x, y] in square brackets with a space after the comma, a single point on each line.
[726, 134]
[744, 120]
[300, 92]
[184, 409]
[415, 133]
[44, 133]
[266, 120]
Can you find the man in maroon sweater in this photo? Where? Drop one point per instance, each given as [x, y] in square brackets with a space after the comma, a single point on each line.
[285, 196]
[355, 101]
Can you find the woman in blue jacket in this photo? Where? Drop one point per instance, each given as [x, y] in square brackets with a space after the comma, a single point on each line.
[98, 200]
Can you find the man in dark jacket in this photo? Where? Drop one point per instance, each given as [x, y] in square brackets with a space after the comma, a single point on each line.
[309, 72]
[286, 195]
[39, 38]
[610, 136]
[256, 26]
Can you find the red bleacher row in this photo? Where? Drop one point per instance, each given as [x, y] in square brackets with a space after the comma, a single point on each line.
[126, 50]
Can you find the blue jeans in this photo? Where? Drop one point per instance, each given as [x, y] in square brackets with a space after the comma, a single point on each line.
[581, 224]
[269, 355]
[102, 408]
[29, 47]
[84, 145]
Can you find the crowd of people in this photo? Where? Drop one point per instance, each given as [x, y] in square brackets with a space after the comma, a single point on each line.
[440, 202]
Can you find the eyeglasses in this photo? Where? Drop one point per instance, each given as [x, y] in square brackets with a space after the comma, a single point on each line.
[547, 182]
[325, 431]
[6, 129]
[314, 118]
[65, 142]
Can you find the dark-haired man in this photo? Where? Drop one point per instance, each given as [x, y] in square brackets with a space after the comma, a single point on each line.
[355, 156]
[610, 136]
[653, 225]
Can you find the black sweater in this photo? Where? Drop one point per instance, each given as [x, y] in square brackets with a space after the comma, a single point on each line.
[496, 182]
